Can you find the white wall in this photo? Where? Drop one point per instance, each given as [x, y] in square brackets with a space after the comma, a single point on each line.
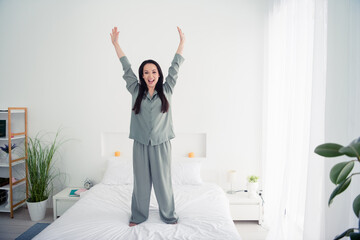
[57, 59]
[342, 104]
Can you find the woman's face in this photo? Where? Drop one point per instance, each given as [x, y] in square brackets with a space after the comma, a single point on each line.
[150, 75]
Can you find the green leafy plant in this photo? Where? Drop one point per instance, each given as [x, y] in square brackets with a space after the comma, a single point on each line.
[341, 176]
[41, 172]
[253, 179]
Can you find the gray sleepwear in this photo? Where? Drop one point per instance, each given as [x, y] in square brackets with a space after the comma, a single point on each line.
[152, 130]
[152, 164]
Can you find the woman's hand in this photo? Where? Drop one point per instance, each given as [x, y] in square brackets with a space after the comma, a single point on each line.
[182, 41]
[115, 41]
[182, 35]
[114, 36]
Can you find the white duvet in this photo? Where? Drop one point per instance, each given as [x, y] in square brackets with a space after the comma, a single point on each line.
[104, 213]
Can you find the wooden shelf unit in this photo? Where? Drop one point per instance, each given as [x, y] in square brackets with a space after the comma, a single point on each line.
[13, 162]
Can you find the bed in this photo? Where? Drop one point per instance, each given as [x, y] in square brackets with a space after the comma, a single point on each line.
[103, 212]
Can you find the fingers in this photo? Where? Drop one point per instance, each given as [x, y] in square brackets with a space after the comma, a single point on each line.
[114, 35]
[115, 31]
[179, 30]
[181, 34]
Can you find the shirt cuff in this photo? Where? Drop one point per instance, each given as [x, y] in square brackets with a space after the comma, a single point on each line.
[178, 58]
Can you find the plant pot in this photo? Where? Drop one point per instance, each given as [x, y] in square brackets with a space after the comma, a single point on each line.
[37, 210]
[252, 189]
[4, 157]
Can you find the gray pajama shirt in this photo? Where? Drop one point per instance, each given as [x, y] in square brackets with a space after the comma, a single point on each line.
[152, 130]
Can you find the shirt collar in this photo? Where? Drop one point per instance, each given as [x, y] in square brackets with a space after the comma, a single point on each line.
[148, 95]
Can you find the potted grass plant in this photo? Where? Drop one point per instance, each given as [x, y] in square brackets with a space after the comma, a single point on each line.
[41, 173]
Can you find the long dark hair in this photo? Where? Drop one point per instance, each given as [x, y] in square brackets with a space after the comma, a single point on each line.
[144, 89]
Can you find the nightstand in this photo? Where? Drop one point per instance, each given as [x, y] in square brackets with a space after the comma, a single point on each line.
[244, 208]
[62, 201]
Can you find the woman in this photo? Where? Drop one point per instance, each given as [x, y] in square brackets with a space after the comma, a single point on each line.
[151, 128]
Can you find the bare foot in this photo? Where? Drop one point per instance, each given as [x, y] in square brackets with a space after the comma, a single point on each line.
[132, 224]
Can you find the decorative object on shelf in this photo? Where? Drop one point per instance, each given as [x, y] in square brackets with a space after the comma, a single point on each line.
[88, 184]
[252, 186]
[41, 174]
[5, 149]
[2, 128]
[117, 154]
[191, 155]
[231, 178]
[341, 177]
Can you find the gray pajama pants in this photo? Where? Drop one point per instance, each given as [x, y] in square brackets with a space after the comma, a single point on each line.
[152, 164]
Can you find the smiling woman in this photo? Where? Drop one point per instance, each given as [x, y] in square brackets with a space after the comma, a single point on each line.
[151, 75]
[151, 128]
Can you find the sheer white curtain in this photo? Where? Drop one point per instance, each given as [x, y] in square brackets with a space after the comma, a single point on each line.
[294, 110]
[354, 91]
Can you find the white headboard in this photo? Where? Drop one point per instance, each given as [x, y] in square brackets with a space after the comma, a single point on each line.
[182, 144]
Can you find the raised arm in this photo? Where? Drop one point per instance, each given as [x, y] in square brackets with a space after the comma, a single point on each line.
[175, 64]
[132, 83]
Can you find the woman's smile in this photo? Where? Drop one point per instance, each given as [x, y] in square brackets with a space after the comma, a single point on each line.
[151, 75]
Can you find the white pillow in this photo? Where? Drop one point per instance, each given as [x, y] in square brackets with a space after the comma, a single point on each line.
[186, 171]
[119, 171]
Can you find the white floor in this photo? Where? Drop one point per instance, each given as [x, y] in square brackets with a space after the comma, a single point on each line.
[11, 228]
[251, 230]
